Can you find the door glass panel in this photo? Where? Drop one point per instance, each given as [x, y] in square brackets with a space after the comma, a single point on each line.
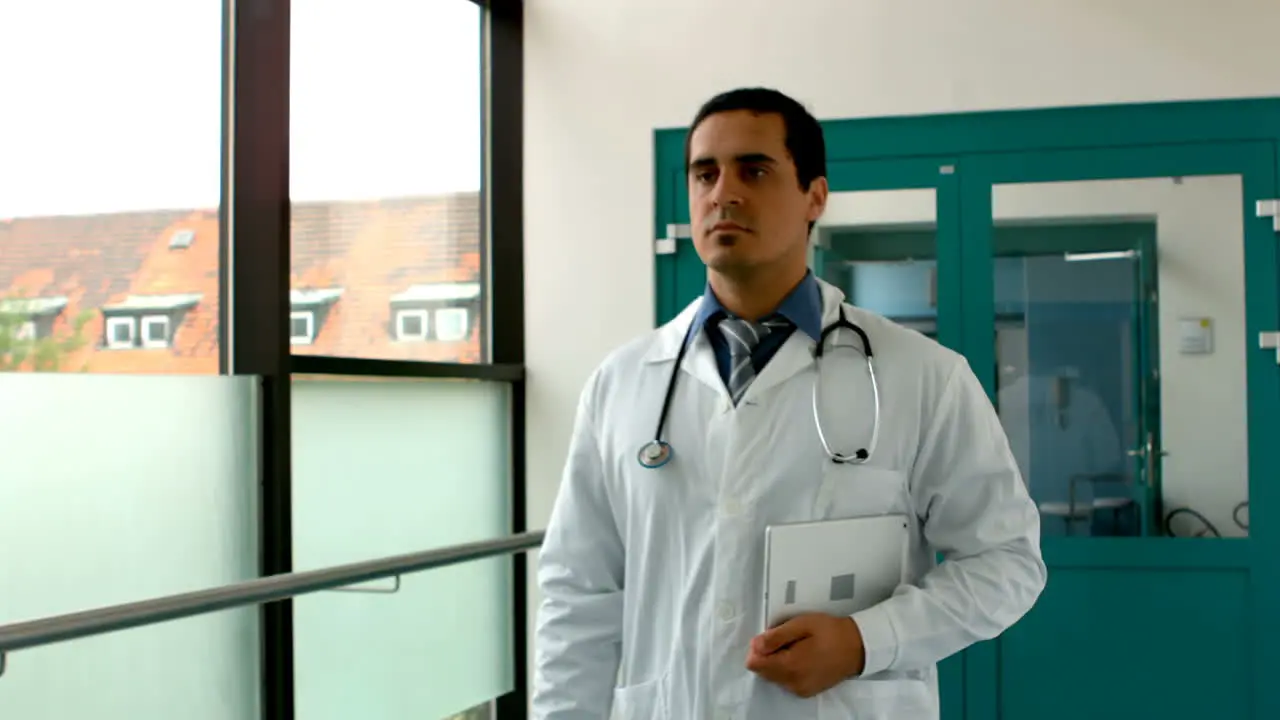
[879, 247]
[1120, 352]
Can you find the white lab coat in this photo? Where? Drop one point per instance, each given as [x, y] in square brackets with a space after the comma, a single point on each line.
[651, 579]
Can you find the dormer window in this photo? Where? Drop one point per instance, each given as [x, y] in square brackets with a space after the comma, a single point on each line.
[308, 310]
[30, 319]
[441, 312]
[146, 321]
[127, 332]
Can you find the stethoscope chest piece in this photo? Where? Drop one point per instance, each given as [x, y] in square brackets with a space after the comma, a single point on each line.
[855, 459]
[654, 454]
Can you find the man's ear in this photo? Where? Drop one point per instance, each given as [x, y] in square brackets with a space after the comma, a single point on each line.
[818, 192]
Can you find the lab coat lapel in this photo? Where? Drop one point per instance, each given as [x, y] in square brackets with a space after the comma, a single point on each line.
[795, 356]
[699, 360]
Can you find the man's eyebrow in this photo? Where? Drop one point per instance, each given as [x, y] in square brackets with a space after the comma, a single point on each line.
[743, 159]
[702, 163]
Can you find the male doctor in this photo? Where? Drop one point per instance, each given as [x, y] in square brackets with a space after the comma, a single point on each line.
[651, 578]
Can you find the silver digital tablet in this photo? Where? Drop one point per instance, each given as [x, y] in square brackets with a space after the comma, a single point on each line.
[837, 567]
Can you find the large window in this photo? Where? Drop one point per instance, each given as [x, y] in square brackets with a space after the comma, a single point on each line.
[120, 479]
[314, 207]
[109, 186]
[385, 176]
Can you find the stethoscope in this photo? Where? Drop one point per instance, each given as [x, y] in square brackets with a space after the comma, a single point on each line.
[657, 452]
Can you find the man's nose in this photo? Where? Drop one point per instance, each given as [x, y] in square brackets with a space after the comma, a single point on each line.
[726, 191]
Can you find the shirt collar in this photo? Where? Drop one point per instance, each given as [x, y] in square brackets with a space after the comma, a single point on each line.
[803, 307]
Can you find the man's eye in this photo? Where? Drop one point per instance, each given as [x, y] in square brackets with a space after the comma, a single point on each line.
[705, 177]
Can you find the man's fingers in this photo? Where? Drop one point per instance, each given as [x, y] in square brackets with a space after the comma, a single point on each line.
[773, 640]
[771, 667]
[776, 674]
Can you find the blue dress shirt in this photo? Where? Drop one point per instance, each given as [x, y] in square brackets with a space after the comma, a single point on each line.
[802, 307]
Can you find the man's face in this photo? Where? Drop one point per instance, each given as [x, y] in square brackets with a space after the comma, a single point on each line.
[747, 208]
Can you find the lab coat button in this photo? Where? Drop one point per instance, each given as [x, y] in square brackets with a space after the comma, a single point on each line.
[732, 507]
[726, 611]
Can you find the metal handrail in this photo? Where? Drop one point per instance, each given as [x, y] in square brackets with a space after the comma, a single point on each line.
[72, 626]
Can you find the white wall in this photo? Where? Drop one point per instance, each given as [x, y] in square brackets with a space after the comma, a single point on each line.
[600, 75]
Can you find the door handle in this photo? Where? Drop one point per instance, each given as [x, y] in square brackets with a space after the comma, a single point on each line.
[1148, 450]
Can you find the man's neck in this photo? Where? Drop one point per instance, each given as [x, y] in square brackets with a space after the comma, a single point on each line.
[755, 297]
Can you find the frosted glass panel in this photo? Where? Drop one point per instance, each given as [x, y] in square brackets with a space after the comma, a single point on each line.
[382, 468]
[121, 488]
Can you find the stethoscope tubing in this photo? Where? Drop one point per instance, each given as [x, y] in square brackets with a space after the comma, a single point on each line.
[658, 452]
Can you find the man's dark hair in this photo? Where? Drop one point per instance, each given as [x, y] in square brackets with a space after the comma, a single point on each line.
[803, 132]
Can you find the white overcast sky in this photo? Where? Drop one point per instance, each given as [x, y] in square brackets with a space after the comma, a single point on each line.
[113, 105]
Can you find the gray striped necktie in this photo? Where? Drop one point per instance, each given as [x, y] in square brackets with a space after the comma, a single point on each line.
[743, 336]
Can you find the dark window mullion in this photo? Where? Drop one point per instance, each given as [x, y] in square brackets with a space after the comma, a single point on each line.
[256, 321]
[372, 367]
[502, 117]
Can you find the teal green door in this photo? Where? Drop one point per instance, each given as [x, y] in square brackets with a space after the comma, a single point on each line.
[1146, 570]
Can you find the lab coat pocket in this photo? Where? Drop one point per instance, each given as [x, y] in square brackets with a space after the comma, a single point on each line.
[859, 491]
[645, 701]
[904, 699]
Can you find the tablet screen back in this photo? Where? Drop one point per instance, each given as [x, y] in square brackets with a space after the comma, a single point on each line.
[837, 567]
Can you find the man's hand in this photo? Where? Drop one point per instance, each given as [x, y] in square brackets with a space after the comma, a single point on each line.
[808, 654]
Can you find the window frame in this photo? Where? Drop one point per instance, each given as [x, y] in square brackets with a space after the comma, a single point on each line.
[452, 311]
[110, 323]
[423, 315]
[28, 331]
[256, 313]
[308, 316]
[145, 341]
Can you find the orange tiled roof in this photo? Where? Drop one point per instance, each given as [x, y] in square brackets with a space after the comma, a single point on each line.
[372, 250]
